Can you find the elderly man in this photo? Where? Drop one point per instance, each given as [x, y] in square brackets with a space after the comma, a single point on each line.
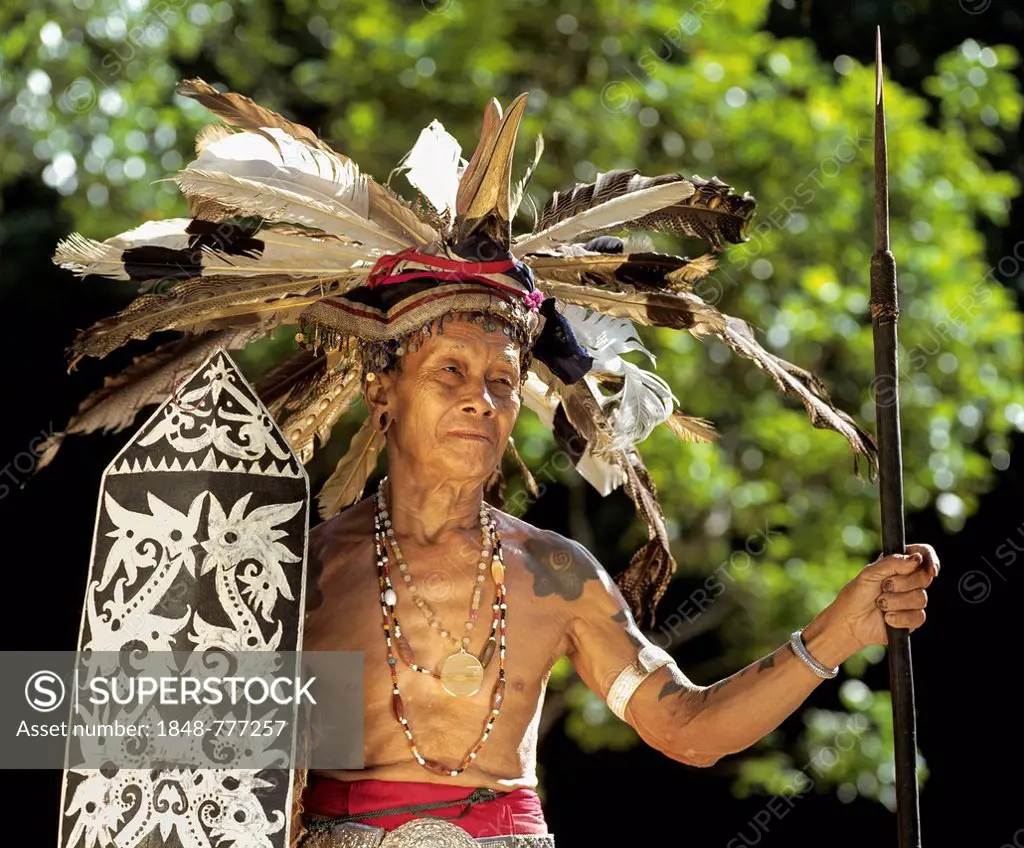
[447, 411]
[461, 609]
[448, 324]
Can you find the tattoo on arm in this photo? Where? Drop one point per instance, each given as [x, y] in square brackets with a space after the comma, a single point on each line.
[626, 620]
[762, 665]
[557, 569]
[721, 684]
[670, 688]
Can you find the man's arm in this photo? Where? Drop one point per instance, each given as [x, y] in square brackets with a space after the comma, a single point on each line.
[696, 725]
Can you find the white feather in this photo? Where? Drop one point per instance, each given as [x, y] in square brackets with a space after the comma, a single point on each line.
[88, 256]
[536, 396]
[605, 337]
[296, 183]
[602, 475]
[283, 253]
[645, 400]
[305, 259]
[291, 163]
[256, 197]
[618, 210]
[434, 166]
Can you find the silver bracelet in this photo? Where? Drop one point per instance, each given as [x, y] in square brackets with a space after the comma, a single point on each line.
[796, 642]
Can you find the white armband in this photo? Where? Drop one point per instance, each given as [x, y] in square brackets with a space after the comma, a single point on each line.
[649, 659]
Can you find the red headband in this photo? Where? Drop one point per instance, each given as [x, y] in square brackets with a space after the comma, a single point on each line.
[448, 269]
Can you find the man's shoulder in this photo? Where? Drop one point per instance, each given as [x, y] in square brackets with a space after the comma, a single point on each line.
[340, 537]
[538, 540]
[561, 566]
[344, 526]
[332, 543]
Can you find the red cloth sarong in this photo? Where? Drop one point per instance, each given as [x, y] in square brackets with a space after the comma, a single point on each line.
[515, 812]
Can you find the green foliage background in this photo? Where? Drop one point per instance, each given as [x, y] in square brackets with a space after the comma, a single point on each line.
[86, 99]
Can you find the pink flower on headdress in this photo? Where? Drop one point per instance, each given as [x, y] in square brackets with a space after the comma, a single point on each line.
[533, 300]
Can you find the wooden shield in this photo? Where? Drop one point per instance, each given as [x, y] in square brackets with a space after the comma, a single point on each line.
[199, 544]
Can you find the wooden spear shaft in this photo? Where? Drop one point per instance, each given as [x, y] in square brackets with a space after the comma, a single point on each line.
[885, 313]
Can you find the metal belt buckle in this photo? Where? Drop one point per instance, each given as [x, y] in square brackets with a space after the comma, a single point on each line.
[344, 835]
[428, 833]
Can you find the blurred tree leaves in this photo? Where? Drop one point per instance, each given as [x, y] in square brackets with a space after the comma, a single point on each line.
[86, 101]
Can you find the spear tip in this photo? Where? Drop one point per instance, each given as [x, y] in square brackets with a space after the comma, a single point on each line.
[881, 155]
[878, 66]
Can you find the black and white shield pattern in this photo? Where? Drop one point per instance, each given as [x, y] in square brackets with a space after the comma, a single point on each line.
[199, 547]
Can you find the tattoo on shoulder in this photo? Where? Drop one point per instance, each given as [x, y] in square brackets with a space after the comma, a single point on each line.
[557, 569]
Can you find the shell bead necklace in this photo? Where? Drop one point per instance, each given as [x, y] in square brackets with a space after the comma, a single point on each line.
[388, 625]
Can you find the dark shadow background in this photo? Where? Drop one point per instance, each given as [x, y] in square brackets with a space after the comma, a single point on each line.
[965, 668]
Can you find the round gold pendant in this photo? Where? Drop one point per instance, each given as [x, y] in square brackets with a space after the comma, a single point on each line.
[461, 674]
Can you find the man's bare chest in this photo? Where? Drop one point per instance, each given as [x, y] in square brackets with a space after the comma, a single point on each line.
[434, 612]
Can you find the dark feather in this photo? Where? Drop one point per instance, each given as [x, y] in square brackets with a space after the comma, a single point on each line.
[713, 212]
[317, 408]
[494, 488]
[242, 112]
[148, 380]
[645, 580]
[568, 439]
[585, 196]
[797, 382]
[153, 263]
[191, 302]
[678, 310]
[290, 376]
[647, 271]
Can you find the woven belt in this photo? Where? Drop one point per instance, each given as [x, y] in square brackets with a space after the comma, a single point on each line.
[416, 833]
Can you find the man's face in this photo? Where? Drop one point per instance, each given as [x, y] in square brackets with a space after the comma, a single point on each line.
[454, 402]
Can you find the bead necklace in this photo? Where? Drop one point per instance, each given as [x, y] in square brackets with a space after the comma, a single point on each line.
[487, 553]
[408, 657]
[397, 704]
[461, 672]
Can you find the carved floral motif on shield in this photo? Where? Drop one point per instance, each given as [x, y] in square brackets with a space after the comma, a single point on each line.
[199, 545]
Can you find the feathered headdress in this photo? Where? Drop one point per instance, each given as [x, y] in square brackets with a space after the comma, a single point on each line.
[286, 230]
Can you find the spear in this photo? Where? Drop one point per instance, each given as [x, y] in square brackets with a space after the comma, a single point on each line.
[884, 315]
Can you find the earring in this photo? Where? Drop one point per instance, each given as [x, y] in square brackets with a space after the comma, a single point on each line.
[384, 423]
